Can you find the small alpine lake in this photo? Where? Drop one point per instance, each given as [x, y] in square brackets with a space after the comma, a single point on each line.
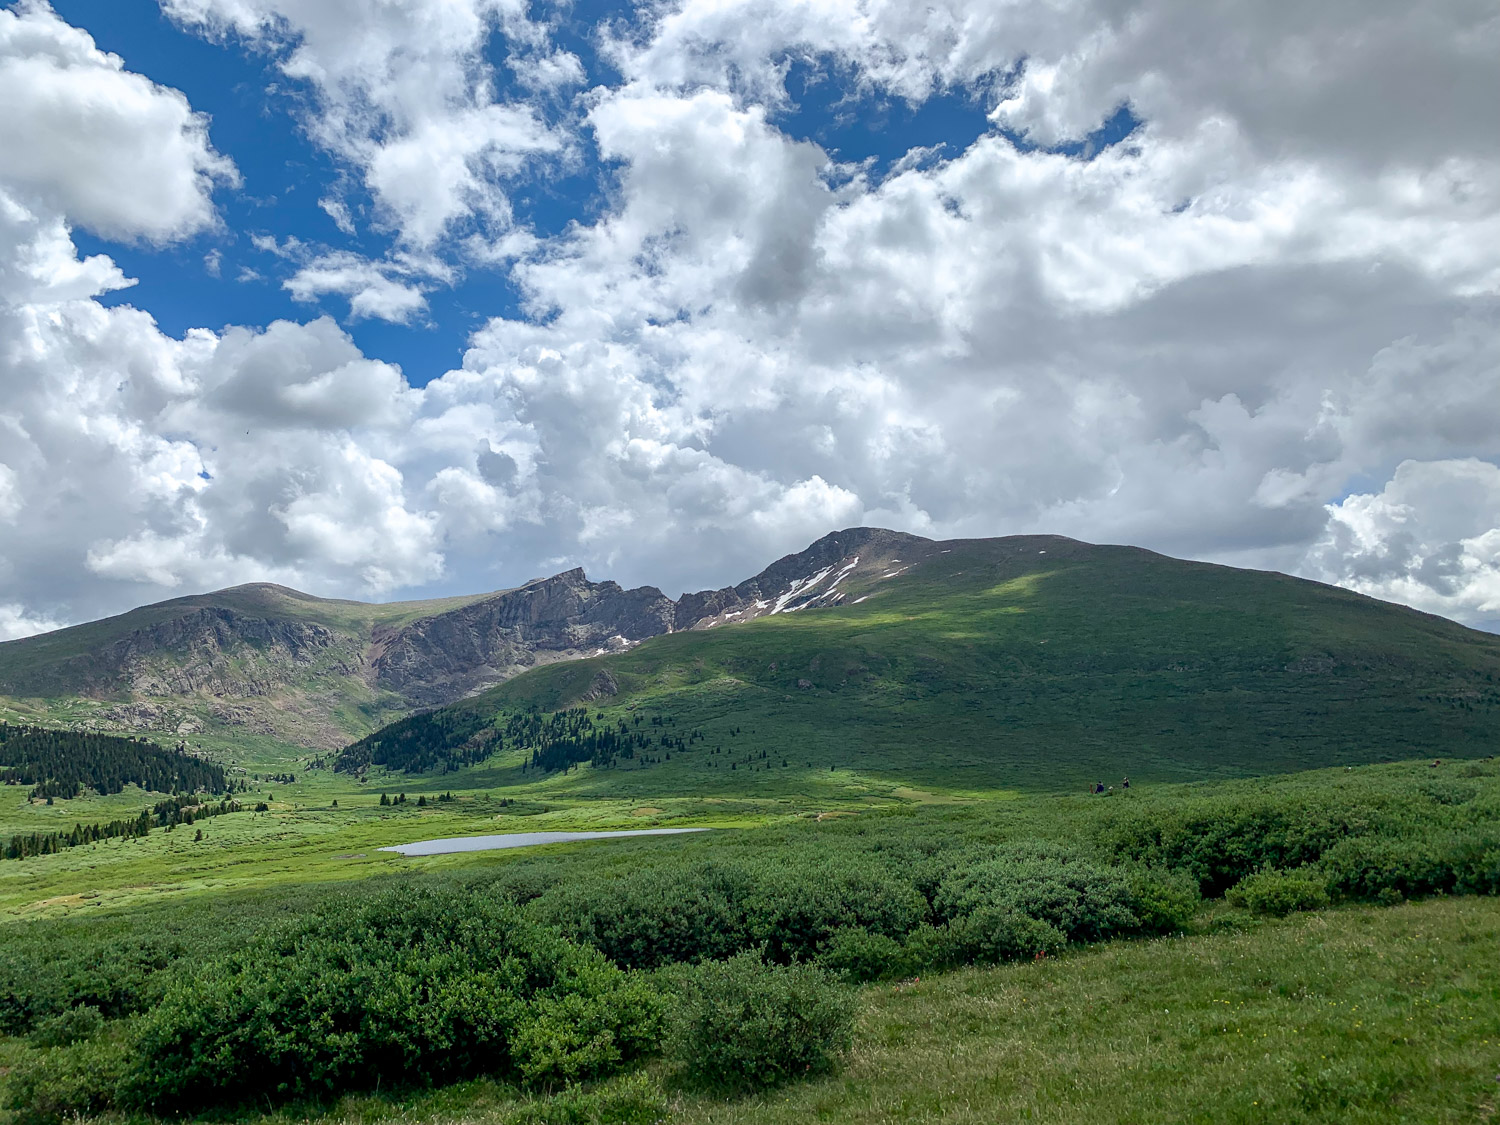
[522, 840]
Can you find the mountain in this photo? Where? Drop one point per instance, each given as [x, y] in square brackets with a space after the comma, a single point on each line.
[306, 670]
[1022, 661]
[1030, 662]
[316, 672]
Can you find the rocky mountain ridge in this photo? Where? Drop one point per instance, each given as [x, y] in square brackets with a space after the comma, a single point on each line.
[315, 672]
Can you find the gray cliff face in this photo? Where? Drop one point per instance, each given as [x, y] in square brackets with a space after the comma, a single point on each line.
[451, 655]
[446, 657]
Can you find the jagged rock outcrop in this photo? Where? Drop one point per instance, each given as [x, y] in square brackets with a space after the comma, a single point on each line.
[451, 655]
[444, 657]
[803, 580]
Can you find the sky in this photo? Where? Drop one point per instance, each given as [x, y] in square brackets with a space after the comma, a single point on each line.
[401, 298]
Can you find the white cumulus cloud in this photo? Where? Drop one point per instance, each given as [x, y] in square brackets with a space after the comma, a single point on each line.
[370, 287]
[82, 137]
[405, 94]
[1430, 538]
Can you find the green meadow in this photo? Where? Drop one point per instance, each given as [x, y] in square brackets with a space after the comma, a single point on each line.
[1143, 985]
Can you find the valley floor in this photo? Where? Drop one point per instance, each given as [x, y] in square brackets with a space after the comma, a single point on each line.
[1351, 1015]
[327, 827]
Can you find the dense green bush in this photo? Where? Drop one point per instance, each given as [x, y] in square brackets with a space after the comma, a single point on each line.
[931, 948]
[660, 916]
[857, 955]
[743, 1024]
[1279, 893]
[22, 1004]
[653, 917]
[409, 987]
[1164, 901]
[68, 1027]
[794, 912]
[63, 1083]
[1218, 841]
[1080, 899]
[993, 933]
[1370, 867]
[120, 976]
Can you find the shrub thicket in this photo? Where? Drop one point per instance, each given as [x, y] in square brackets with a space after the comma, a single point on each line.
[119, 976]
[67, 1082]
[1079, 899]
[656, 916]
[649, 918]
[1372, 868]
[72, 1025]
[1218, 841]
[411, 987]
[857, 955]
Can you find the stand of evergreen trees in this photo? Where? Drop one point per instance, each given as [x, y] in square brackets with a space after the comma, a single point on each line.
[62, 763]
[567, 738]
[164, 814]
[448, 740]
[564, 739]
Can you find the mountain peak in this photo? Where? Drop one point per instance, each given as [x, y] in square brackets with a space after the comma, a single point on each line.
[264, 589]
[574, 577]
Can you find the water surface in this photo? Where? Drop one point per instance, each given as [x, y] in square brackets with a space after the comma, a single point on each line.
[522, 840]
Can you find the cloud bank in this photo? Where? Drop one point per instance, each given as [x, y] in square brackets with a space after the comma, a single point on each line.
[1262, 329]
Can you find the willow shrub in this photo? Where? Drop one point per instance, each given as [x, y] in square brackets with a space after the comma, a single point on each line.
[68, 1082]
[1279, 893]
[1074, 896]
[1434, 862]
[650, 917]
[744, 1024]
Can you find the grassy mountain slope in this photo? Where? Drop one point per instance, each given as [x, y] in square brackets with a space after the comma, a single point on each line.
[259, 659]
[59, 663]
[1027, 663]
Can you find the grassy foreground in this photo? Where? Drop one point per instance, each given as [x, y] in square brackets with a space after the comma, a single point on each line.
[1361, 1015]
[1351, 1016]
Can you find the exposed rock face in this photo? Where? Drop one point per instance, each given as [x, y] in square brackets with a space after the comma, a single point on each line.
[211, 651]
[602, 687]
[445, 657]
[806, 579]
[442, 658]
